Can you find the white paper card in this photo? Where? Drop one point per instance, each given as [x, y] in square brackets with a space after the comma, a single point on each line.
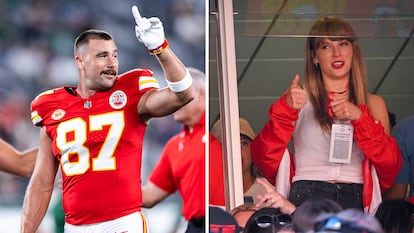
[341, 143]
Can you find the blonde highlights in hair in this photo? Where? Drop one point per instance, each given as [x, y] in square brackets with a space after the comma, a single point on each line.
[334, 29]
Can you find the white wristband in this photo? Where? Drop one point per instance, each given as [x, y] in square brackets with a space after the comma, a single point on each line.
[181, 85]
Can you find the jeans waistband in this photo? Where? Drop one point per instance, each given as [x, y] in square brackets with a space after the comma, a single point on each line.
[323, 185]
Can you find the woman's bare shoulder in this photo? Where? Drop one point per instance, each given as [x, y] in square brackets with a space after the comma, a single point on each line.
[378, 109]
[374, 99]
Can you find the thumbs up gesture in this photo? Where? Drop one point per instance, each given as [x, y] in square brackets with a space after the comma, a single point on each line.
[296, 96]
[149, 32]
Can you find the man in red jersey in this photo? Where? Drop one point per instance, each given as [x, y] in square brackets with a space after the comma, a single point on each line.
[182, 163]
[94, 133]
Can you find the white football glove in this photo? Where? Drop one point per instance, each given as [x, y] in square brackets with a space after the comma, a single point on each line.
[149, 32]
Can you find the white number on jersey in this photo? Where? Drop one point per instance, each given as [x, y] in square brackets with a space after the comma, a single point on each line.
[105, 159]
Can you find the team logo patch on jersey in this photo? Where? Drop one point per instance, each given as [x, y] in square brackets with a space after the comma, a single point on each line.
[58, 114]
[118, 99]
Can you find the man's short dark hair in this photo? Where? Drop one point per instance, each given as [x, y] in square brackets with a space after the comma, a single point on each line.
[91, 34]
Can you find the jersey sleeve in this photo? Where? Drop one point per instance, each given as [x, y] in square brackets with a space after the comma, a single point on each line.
[42, 105]
[162, 175]
[145, 79]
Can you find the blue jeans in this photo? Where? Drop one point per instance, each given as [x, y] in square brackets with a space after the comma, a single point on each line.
[347, 195]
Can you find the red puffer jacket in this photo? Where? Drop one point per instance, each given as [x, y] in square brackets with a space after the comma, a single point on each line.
[380, 149]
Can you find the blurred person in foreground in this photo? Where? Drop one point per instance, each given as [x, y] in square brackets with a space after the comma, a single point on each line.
[182, 163]
[94, 133]
[348, 221]
[267, 220]
[396, 216]
[243, 212]
[13, 161]
[306, 215]
[221, 221]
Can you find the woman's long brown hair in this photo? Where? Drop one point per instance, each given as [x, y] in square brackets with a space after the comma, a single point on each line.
[334, 29]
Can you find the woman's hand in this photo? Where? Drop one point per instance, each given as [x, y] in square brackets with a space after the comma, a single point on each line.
[296, 96]
[345, 110]
[273, 199]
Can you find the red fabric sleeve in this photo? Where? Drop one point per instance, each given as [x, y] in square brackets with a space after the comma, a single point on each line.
[380, 148]
[367, 190]
[269, 145]
[216, 173]
[162, 175]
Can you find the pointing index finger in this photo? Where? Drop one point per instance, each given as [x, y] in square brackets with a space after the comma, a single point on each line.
[265, 185]
[136, 14]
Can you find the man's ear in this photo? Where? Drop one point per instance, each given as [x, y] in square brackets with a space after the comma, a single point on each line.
[79, 62]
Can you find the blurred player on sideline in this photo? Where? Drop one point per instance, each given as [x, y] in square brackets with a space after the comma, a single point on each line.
[95, 131]
[182, 163]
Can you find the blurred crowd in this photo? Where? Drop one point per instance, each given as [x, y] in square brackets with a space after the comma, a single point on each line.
[36, 54]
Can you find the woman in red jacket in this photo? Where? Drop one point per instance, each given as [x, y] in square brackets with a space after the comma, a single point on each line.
[342, 148]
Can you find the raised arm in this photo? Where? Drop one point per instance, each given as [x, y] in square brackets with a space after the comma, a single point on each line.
[269, 145]
[40, 188]
[161, 102]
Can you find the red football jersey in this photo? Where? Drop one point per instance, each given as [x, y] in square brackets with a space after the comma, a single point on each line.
[182, 167]
[216, 173]
[98, 142]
